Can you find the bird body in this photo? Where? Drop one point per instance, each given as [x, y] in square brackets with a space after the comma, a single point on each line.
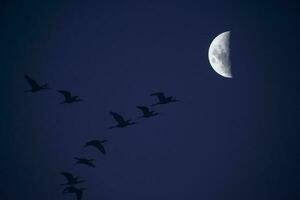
[35, 87]
[97, 144]
[121, 122]
[84, 161]
[68, 97]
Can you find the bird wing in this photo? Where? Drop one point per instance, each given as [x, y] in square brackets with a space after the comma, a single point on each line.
[32, 82]
[78, 194]
[92, 143]
[97, 144]
[69, 189]
[89, 143]
[89, 163]
[66, 94]
[144, 109]
[67, 175]
[160, 95]
[118, 117]
[78, 159]
[101, 148]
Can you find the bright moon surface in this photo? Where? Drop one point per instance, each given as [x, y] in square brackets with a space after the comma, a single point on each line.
[219, 54]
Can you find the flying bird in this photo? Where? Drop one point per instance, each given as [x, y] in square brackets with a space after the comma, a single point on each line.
[146, 112]
[73, 190]
[97, 144]
[34, 85]
[71, 180]
[84, 161]
[121, 121]
[68, 97]
[162, 99]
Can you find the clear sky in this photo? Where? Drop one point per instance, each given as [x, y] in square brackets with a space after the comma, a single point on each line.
[225, 139]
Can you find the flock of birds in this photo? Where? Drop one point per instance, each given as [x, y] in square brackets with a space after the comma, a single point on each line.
[73, 181]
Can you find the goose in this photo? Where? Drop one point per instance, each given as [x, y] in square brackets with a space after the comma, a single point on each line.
[71, 180]
[84, 161]
[146, 112]
[121, 121]
[68, 97]
[162, 99]
[97, 144]
[34, 85]
[73, 190]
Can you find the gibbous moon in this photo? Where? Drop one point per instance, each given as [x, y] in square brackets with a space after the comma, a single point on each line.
[219, 54]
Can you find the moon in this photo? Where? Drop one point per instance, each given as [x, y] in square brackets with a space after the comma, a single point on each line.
[219, 54]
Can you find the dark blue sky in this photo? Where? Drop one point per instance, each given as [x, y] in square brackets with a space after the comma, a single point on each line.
[226, 138]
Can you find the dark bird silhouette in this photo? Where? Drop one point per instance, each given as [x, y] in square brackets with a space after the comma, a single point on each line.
[120, 120]
[71, 180]
[84, 161]
[146, 112]
[162, 99]
[34, 85]
[68, 97]
[73, 190]
[97, 144]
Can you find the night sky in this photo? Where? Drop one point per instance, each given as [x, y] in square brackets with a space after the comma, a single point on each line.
[225, 139]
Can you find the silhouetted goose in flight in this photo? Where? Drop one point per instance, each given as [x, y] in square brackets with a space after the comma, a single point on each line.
[84, 161]
[71, 179]
[120, 120]
[146, 112]
[73, 190]
[162, 99]
[68, 97]
[34, 85]
[97, 144]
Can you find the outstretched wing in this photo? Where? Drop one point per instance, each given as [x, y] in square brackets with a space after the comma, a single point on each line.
[68, 189]
[68, 176]
[88, 143]
[31, 82]
[101, 148]
[89, 163]
[79, 194]
[160, 95]
[144, 109]
[97, 144]
[76, 158]
[118, 117]
[66, 94]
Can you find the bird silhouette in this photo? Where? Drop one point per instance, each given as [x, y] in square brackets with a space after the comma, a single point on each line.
[162, 99]
[71, 180]
[68, 97]
[84, 161]
[146, 112]
[73, 190]
[97, 144]
[120, 120]
[34, 85]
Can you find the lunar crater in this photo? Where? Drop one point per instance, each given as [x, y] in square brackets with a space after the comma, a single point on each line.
[219, 54]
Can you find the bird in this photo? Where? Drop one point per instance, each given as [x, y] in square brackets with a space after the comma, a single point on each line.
[120, 120]
[162, 99]
[68, 97]
[97, 144]
[77, 191]
[146, 112]
[84, 161]
[34, 85]
[71, 180]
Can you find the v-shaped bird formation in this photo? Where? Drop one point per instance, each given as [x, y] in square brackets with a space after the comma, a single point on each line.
[72, 181]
